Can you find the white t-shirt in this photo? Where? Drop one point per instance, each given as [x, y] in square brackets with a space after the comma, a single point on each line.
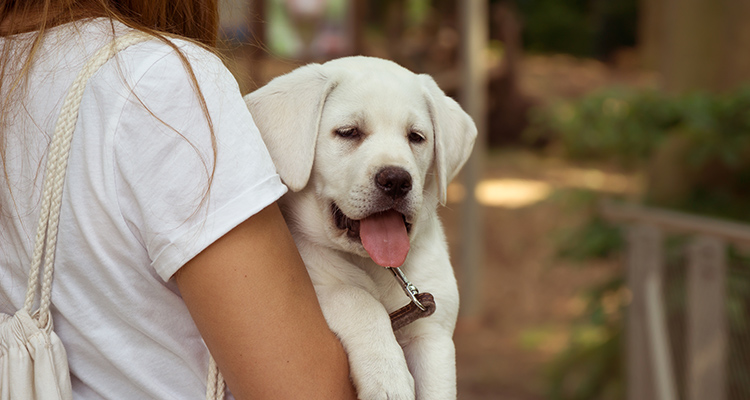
[133, 210]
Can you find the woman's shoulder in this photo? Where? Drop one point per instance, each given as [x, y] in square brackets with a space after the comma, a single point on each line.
[80, 40]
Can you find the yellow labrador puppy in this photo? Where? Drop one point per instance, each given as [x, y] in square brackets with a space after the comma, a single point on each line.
[367, 149]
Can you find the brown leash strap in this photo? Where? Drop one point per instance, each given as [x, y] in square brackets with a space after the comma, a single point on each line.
[411, 312]
[421, 304]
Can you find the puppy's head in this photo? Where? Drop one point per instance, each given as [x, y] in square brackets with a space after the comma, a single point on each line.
[374, 144]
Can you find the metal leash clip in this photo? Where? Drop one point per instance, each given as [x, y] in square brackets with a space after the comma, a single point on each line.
[407, 286]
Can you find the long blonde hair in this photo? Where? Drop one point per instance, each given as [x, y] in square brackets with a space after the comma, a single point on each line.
[194, 20]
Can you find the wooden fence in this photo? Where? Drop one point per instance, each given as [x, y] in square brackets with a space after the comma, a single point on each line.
[650, 368]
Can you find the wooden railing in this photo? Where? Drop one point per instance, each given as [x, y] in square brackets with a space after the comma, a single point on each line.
[650, 370]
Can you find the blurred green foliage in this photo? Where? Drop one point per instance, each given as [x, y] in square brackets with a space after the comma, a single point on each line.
[578, 27]
[595, 239]
[591, 366]
[557, 26]
[699, 142]
[629, 124]
[614, 124]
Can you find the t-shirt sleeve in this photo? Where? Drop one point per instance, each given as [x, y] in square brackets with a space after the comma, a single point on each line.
[179, 188]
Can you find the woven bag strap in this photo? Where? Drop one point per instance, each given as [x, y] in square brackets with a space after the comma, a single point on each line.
[57, 161]
[215, 382]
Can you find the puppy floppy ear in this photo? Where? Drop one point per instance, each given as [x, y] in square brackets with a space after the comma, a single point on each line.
[287, 112]
[455, 133]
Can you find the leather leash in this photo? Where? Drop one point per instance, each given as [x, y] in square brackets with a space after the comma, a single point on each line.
[421, 304]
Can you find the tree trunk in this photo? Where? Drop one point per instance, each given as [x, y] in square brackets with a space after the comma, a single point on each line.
[649, 32]
[736, 57]
[691, 47]
[696, 44]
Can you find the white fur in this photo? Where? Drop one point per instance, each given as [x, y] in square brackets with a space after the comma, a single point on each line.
[298, 115]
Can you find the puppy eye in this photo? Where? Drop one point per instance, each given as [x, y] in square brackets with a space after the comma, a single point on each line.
[416, 137]
[349, 133]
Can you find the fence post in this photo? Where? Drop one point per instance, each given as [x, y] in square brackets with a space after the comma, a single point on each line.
[643, 254]
[706, 319]
[473, 97]
[650, 372]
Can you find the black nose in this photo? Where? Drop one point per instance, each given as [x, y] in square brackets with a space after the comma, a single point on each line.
[394, 182]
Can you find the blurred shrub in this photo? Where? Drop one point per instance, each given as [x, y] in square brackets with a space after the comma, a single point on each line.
[616, 125]
[628, 124]
[578, 27]
[591, 366]
[594, 238]
[695, 148]
[557, 26]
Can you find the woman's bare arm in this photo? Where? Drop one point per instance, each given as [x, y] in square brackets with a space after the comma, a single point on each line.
[255, 307]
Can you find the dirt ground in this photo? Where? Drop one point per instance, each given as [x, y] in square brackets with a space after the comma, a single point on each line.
[529, 297]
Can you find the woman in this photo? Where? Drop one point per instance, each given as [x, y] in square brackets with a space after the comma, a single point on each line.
[169, 233]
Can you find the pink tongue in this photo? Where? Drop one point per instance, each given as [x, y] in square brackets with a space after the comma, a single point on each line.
[385, 239]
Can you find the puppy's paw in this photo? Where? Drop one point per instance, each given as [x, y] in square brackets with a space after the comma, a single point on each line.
[383, 381]
[393, 389]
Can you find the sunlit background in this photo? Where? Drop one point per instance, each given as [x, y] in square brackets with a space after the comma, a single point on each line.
[598, 234]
